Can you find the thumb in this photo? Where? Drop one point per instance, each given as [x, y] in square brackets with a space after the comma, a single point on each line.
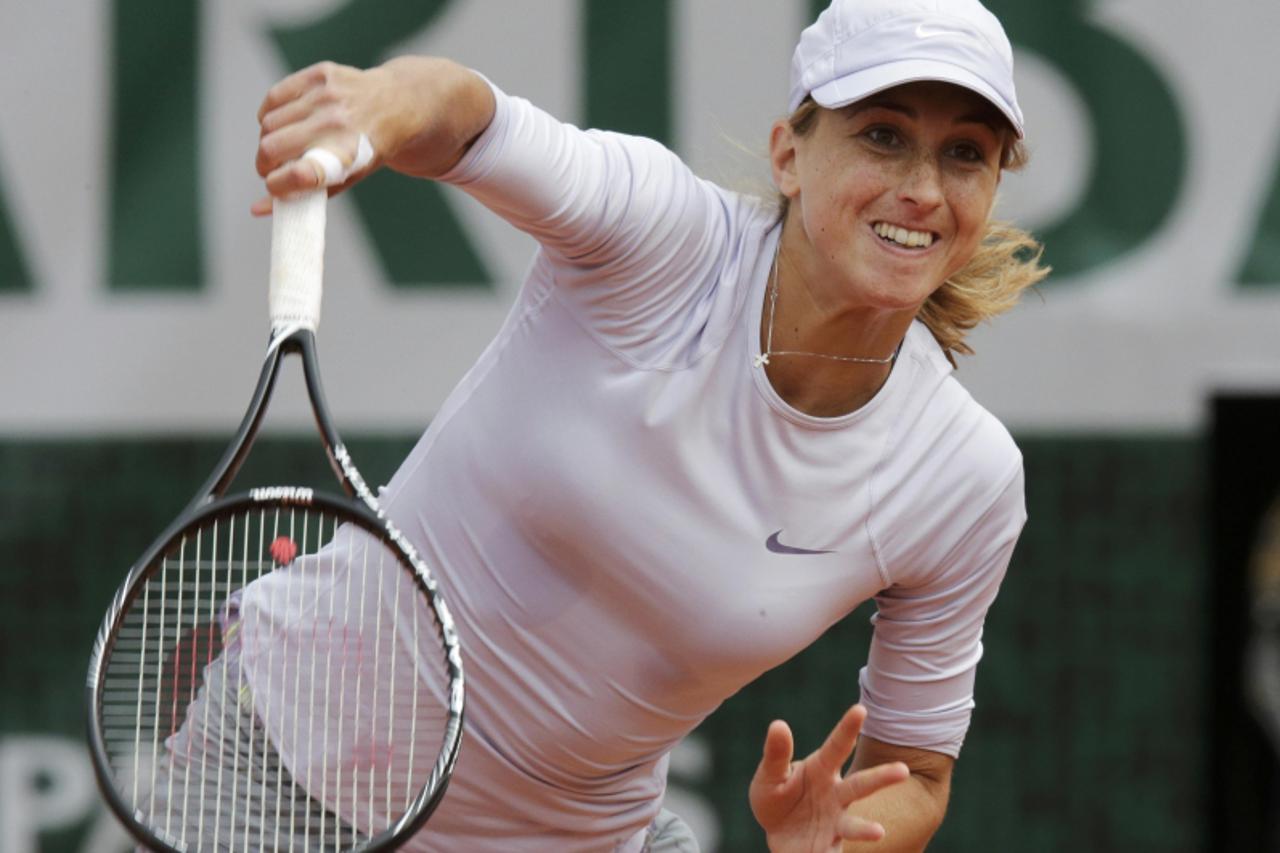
[775, 764]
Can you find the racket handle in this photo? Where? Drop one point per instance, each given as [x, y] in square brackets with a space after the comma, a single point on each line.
[297, 243]
[297, 260]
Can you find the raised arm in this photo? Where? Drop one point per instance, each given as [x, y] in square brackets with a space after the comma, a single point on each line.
[421, 114]
[636, 240]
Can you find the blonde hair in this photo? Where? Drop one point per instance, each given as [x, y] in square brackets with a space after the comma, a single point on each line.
[1006, 262]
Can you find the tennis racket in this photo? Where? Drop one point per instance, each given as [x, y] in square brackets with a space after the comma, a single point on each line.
[278, 670]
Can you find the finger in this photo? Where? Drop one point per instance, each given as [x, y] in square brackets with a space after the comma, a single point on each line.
[294, 86]
[265, 205]
[291, 112]
[838, 746]
[289, 142]
[321, 166]
[296, 176]
[853, 828]
[864, 783]
[775, 763]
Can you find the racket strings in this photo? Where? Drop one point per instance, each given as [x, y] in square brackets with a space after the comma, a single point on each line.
[268, 686]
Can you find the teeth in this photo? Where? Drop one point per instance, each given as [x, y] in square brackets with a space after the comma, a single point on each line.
[902, 236]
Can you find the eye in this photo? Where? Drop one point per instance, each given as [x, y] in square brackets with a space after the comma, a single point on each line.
[885, 137]
[968, 152]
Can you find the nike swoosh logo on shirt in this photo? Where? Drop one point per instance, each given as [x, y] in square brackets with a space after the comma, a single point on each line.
[777, 547]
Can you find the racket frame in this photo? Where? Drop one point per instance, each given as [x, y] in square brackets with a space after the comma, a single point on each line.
[210, 500]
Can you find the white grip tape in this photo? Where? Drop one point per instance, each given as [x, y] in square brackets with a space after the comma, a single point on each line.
[297, 242]
[297, 259]
[334, 172]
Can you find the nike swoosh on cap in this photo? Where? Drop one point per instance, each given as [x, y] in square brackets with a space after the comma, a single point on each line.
[924, 31]
[777, 547]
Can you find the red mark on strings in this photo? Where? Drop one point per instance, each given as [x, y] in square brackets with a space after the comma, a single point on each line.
[283, 550]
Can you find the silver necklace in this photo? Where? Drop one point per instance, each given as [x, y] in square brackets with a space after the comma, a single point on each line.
[763, 358]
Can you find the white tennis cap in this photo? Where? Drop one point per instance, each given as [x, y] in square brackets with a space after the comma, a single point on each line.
[859, 47]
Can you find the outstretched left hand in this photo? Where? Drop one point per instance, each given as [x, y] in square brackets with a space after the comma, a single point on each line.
[803, 805]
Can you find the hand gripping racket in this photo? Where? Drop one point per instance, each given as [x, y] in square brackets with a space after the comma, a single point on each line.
[278, 670]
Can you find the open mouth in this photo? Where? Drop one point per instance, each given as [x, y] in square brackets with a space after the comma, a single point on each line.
[904, 237]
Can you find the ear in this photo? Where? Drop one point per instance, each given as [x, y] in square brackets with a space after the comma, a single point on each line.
[782, 158]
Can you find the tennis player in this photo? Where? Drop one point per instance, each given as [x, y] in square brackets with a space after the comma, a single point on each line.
[711, 427]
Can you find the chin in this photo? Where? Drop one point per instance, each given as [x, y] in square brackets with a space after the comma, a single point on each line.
[894, 288]
[911, 308]
[902, 299]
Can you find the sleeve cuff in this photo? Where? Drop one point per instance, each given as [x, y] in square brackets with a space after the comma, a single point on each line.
[483, 153]
[938, 729]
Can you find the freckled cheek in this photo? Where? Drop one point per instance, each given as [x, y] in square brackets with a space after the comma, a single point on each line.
[970, 207]
[846, 195]
[970, 216]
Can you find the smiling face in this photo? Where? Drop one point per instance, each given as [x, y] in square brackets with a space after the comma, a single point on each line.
[889, 196]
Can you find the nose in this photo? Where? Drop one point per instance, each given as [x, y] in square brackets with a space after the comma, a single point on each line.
[922, 183]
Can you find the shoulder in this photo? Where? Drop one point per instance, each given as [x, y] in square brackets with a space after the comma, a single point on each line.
[951, 469]
[940, 420]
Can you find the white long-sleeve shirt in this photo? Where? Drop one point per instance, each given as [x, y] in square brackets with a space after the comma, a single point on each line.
[629, 523]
